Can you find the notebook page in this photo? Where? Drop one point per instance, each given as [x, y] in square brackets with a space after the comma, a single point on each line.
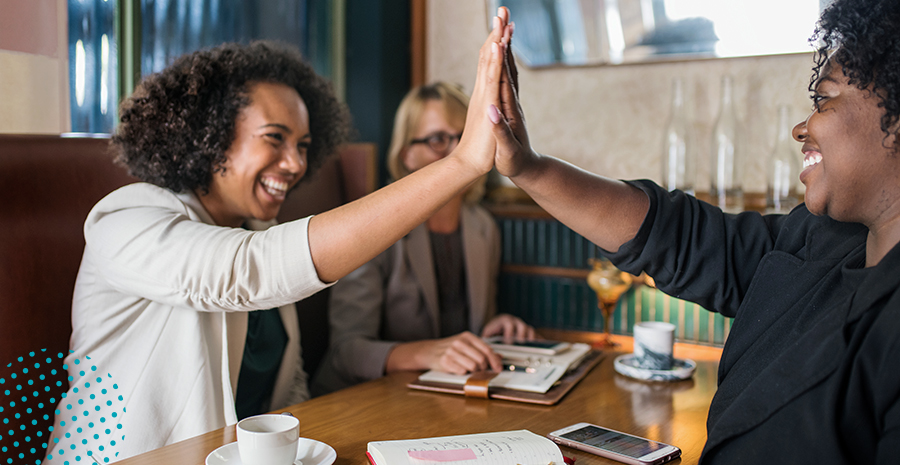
[501, 448]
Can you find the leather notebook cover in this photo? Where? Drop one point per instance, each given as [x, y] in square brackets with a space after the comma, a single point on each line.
[552, 396]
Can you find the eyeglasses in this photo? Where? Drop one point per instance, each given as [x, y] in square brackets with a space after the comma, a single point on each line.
[440, 142]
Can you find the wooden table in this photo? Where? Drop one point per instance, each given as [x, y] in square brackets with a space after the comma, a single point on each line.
[384, 409]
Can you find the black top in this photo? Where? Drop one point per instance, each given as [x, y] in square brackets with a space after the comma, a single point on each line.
[263, 351]
[810, 372]
[450, 273]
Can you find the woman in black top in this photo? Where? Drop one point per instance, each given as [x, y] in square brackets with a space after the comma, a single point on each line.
[809, 373]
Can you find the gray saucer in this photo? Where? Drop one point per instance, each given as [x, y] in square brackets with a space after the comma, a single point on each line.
[627, 365]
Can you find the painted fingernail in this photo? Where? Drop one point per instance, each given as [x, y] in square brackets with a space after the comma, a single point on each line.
[494, 114]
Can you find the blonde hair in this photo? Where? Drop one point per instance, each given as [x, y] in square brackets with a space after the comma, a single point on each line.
[406, 121]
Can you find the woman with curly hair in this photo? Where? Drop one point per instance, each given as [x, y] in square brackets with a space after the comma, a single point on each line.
[809, 373]
[184, 298]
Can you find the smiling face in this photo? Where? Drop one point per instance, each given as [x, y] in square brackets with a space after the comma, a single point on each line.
[435, 120]
[266, 159]
[851, 172]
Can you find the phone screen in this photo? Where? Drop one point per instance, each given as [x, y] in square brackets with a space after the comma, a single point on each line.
[613, 441]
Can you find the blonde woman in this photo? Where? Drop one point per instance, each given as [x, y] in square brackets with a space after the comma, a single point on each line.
[423, 303]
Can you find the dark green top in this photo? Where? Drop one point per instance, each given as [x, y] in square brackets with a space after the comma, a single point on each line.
[266, 341]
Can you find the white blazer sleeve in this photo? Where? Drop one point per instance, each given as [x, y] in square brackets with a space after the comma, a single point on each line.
[147, 242]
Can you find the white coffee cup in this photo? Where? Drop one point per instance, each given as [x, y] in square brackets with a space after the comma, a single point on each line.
[268, 439]
[653, 342]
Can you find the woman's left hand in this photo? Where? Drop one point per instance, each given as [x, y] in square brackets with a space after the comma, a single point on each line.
[511, 328]
[477, 146]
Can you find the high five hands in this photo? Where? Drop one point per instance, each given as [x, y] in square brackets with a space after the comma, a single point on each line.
[495, 133]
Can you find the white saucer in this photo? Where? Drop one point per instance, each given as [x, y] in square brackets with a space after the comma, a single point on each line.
[309, 452]
[681, 369]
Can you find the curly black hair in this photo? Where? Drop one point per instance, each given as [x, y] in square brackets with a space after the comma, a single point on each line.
[175, 128]
[863, 38]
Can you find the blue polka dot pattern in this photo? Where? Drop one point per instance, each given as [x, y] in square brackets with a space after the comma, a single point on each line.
[32, 390]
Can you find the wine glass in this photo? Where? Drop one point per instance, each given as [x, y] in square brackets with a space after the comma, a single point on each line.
[609, 283]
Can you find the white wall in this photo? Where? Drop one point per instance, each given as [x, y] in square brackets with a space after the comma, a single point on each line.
[609, 119]
[34, 95]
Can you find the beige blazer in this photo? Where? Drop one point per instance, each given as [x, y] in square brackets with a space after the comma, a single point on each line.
[160, 311]
[394, 298]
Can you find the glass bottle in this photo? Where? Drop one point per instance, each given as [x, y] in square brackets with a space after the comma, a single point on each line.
[726, 190]
[678, 166]
[783, 168]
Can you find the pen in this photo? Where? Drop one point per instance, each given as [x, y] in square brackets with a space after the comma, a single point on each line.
[519, 368]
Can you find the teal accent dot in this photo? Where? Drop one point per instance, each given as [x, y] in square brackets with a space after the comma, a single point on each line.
[77, 362]
[21, 358]
[96, 436]
[75, 390]
[24, 370]
[119, 426]
[97, 408]
[102, 419]
[42, 377]
[103, 391]
[81, 373]
[37, 365]
[115, 386]
[109, 402]
[87, 385]
[107, 431]
[93, 396]
[80, 401]
[99, 379]
[60, 355]
[56, 440]
[68, 435]
[120, 398]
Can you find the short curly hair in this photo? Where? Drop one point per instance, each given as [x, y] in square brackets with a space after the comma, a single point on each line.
[863, 38]
[175, 128]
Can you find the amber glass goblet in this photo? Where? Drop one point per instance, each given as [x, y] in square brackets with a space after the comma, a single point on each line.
[609, 283]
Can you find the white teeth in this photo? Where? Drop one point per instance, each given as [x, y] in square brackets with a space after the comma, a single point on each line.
[275, 187]
[812, 159]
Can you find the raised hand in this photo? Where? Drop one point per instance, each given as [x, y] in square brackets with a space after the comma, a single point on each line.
[477, 145]
[514, 149]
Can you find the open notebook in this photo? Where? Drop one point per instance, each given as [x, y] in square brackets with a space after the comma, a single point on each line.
[501, 448]
[552, 379]
[543, 370]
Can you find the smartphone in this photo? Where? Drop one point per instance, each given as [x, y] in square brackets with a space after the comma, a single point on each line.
[614, 445]
[536, 347]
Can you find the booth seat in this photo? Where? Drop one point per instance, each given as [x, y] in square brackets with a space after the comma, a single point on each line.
[48, 184]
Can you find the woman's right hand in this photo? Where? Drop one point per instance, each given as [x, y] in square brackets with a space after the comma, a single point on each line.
[459, 354]
[477, 146]
[514, 151]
